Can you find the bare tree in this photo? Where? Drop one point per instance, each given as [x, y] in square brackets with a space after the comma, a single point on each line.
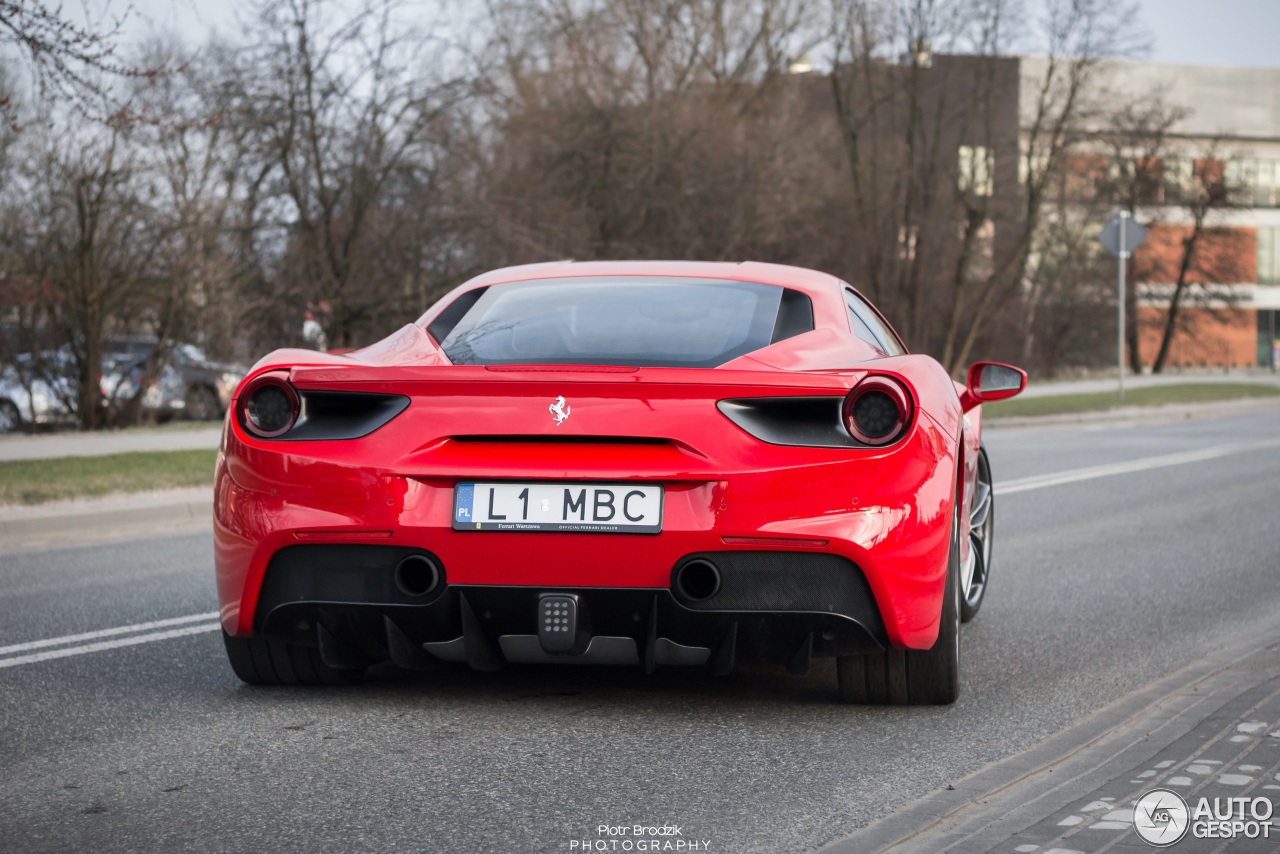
[86, 246]
[335, 110]
[896, 121]
[1200, 259]
[1137, 141]
[344, 163]
[187, 152]
[902, 123]
[70, 60]
[640, 129]
[1078, 35]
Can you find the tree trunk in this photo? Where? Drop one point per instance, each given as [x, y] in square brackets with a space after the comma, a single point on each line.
[1171, 319]
[1131, 332]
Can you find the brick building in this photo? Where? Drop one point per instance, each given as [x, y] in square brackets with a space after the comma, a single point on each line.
[1230, 129]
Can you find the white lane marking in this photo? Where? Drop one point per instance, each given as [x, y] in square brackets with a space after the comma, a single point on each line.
[106, 633]
[105, 645]
[1075, 475]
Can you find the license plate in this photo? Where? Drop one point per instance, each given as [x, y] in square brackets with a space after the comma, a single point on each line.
[600, 508]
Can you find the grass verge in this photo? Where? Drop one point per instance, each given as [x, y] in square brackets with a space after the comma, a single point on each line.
[1162, 395]
[38, 481]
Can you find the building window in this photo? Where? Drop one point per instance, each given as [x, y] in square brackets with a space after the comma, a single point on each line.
[907, 242]
[976, 170]
[1179, 176]
[1136, 177]
[1252, 182]
[1268, 338]
[1264, 188]
[1032, 166]
[982, 252]
[1269, 256]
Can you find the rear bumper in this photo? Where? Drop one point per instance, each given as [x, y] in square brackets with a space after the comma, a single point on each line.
[885, 515]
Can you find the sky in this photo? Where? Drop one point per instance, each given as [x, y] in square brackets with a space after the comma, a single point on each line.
[1214, 32]
[1195, 32]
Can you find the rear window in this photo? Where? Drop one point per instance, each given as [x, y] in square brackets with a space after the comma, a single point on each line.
[625, 320]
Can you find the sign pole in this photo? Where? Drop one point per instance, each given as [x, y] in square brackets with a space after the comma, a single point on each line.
[1121, 257]
[1273, 340]
[1121, 235]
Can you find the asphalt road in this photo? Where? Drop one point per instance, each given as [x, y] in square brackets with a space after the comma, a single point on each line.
[1101, 585]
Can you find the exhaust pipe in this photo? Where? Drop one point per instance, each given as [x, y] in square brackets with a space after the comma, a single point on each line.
[698, 580]
[417, 575]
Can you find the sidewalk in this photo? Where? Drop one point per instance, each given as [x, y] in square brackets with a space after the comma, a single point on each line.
[1211, 730]
[1138, 414]
[1050, 388]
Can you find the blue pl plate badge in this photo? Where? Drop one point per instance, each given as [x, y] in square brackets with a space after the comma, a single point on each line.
[462, 503]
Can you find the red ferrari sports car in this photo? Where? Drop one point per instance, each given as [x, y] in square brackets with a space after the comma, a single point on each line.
[653, 464]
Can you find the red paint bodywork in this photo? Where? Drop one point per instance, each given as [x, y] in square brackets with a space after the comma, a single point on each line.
[888, 510]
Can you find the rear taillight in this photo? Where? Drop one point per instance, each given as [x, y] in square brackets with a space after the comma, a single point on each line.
[878, 411]
[268, 407]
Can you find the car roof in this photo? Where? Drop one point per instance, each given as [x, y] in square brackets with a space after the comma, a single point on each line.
[825, 290]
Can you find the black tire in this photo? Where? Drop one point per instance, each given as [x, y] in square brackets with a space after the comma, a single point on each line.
[10, 417]
[259, 661]
[982, 519]
[202, 404]
[929, 677]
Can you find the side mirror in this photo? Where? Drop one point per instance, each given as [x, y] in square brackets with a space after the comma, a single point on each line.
[990, 381]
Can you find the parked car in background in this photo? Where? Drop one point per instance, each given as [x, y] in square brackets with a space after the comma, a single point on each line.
[189, 385]
[38, 389]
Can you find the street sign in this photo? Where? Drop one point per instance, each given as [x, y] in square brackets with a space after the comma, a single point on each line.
[1133, 235]
[1121, 235]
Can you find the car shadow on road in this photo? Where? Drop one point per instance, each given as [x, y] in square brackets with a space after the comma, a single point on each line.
[595, 691]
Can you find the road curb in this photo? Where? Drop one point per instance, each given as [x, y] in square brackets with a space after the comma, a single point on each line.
[991, 804]
[78, 522]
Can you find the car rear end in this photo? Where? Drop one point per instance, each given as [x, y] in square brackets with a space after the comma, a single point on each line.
[650, 515]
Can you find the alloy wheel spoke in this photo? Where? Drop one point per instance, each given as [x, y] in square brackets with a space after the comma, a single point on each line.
[978, 549]
[979, 533]
[968, 575]
[981, 505]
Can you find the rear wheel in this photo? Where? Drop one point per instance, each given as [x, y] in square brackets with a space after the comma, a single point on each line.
[982, 518]
[202, 404]
[927, 677]
[259, 661]
[10, 418]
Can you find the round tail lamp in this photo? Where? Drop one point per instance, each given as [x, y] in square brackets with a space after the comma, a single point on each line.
[268, 407]
[878, 411]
